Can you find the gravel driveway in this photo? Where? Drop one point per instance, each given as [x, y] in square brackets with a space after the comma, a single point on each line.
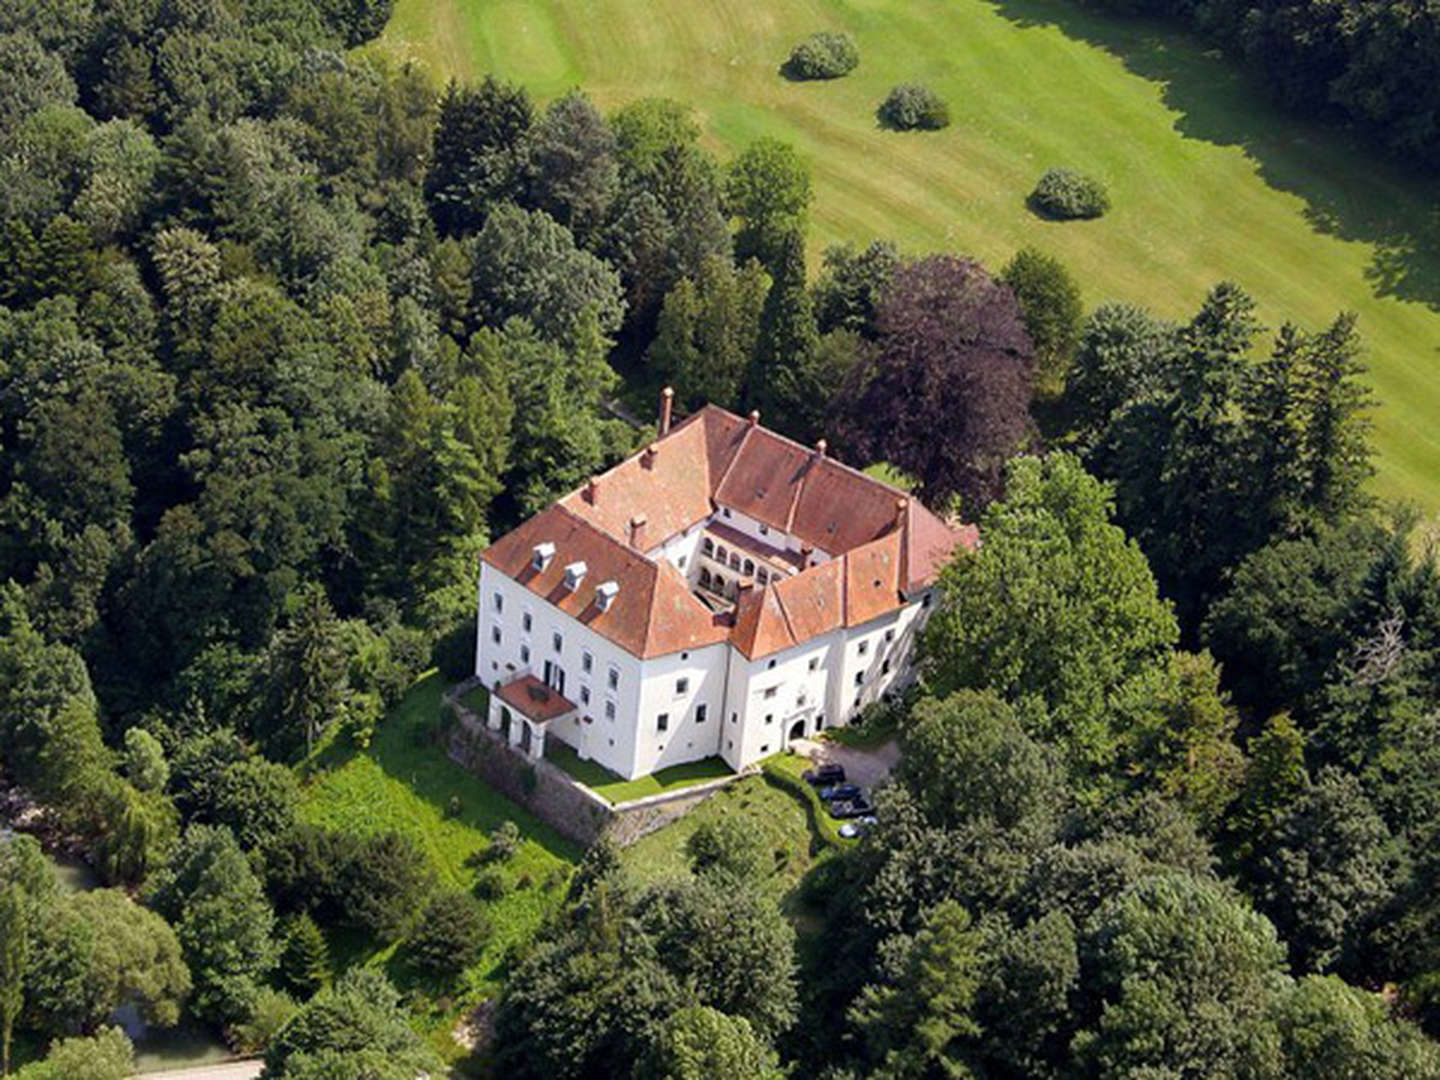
[864, 767]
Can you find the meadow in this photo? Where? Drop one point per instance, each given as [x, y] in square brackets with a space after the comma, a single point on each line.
[1208, 181]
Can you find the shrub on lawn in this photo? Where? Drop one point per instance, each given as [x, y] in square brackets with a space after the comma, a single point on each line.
[728, 846]
[911, 107]
[1066, 194]
[823, 55]
[504, 841]
[451, 936]
[490, 884]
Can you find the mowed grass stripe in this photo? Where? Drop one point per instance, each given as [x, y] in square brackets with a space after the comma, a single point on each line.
[1208, 182]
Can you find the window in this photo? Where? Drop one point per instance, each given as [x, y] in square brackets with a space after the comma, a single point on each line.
[701, 713]
[681, 563]
[762, 576]
[770, 665]
[770, 692]
[557, 642]
[859, 678]
[814, 663]
[499, 602]
[662, 722]
[684, 656]
[925, 600]
[720, 553]
[729, 744]
[885, 668]
[734, 561]
[734, 717]
[725, 510]
[707, 546]
[749, 566]
[524, 654]
[764, 530]
[587, 662]
[800, 698]
[495, 634]
[609, 710]
[863, 648]
[765, 749]
[718, 583]
[612, 678]
[525, 622]
[682, 686]
[584, 695]
[769, 718]
[890, 634]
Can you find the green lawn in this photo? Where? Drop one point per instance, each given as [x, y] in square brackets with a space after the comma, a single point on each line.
[618, 790]
[765, 808]
[1207, 180]
[406, 783]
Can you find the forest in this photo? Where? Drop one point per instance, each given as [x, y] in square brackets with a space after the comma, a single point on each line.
[287, 334]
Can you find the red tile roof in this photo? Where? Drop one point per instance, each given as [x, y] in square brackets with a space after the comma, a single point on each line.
[538, 702]
[885, 545]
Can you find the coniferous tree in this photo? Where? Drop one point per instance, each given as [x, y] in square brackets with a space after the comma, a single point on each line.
[305, 963]
[14, 960]
[781, 381]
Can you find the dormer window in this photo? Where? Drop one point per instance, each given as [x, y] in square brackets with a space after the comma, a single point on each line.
[574, 574]
[605, 594]
[541, 556]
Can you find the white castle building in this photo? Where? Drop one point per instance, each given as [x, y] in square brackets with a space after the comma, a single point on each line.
[722, 592]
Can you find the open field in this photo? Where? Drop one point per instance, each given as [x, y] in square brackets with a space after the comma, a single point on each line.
[1208, 182]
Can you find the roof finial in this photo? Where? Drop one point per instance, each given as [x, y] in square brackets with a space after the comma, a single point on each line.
[754, 417]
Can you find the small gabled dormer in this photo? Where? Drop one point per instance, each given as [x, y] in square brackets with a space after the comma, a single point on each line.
[574, 574]
[605, 594]
[541, 555]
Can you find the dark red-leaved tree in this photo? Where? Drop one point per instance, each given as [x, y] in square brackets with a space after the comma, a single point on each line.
[947, 395]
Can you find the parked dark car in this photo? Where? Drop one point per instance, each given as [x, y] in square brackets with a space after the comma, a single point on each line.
[844, 809]
[825, 774]
[836, 792]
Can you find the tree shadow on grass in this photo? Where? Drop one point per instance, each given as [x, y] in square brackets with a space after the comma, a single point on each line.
[1350, 191]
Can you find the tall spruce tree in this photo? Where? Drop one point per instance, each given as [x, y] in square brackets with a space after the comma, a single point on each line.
[782, 383]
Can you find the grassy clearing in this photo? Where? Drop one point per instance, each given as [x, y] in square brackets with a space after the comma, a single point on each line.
[404, 782]
[766, 809]
[1208, 181]
[617, 789]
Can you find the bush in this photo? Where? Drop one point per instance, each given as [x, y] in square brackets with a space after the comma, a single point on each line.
[490, 884]
[1066, 194]
[823, 55]
[728, 846]
[504, 841]
[451, 936]
[911, 107]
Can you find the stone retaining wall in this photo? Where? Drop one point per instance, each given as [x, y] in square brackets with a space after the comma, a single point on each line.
[556, 797]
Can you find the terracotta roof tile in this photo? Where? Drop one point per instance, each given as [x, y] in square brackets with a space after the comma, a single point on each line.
[715, 458]
[814, 602]
[538, 702]
[872, 580]
[654, 612]
[760, 624]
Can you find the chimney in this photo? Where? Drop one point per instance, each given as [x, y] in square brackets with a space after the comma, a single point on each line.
[605, 594]
[667, 404]
[541, 555]
[900, 507]
[637, 524]
[647, 459]
[754, 417]
[821, 448]
[574, 574]
[592, 490]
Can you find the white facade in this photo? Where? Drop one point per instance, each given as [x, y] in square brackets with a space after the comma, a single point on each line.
[637, 716]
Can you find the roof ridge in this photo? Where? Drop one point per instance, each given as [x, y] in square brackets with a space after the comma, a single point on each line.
[784, 613]
[750, 429]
